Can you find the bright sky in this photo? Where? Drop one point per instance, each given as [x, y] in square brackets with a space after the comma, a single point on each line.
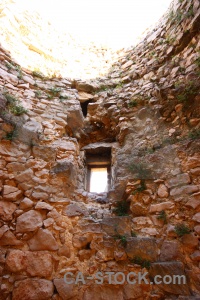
[113, 22]
[98, 180]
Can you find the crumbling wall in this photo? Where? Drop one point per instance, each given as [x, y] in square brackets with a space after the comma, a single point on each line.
[147, 107]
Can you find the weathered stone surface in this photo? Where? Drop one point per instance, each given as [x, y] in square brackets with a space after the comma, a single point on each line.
[33, 289]
[138, 209]
[48, 222]
[178, 180]
[197, 229]
[43, 240]
[190, 240]
[170, 268]
[161, 206]
[45, 153]
[40, 195]
[25, 176]
[14, 260]
[8, 77]
[85, 254]
[120, 255]
[134, 291]
[33, 263]
[84, 96]
[142, 221]
[64, 251]
[187, 189]
[43, 205]
[3, 229]
[29, 79]
[11, 151]
[80, 240]
[162, 191]
[114, 225]
[74, 209]
[83, 86]
[26, 203]
[6, 210]
[103, 293]
[149, 231]
[11, 193]
[194, 201]
[9, 239]
[29, 221]
[169, 251]
[145, 248]
[65, 291]
[196, 217]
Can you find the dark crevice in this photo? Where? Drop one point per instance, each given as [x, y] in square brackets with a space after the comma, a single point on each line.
[84, 107]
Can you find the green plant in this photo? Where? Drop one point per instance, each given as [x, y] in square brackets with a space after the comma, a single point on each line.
[181, 69]
[49, 96]
[182, 229]
[38, 93]
[144, 263]
[190, 90]
[140, 170]
[122, 208]
[194, 134]
[133, 103]
[10, 98]
[9, 65]
[119, 85]
[133, 233]
[121, 238]
[175, 16]
[140, 189]
[169, 140]
[150, 150]
[38, 74]
[63, 98]
[55, 90]
[14, 105]
[17, 110]
[197, 61]
[20, 75]
[190, 12]
[10, 135]
[170, 40]
[162, 216]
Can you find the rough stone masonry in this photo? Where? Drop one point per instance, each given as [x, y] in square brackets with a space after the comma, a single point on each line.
[146, 111]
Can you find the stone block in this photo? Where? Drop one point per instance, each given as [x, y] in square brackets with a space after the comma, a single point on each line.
[33, 289]
[6, 210]
[116, 225]
[65, 291]
[29, 221]
[171, 269]
[143, 247]
[43, 240]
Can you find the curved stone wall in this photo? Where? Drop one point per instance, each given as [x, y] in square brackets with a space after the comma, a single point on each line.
[147, 110]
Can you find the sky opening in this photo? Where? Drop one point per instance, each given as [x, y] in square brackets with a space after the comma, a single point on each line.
[76, 38]
[115, 23]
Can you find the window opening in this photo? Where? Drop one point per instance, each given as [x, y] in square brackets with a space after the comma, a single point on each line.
[98, 169]
[98, 180]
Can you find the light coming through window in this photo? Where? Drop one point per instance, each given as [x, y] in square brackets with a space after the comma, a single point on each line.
[98, 180]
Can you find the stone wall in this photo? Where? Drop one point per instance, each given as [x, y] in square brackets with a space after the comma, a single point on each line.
[147, 109]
